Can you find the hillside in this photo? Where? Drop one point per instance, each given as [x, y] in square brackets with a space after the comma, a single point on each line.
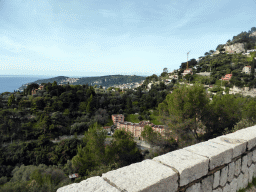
[104, 81]
[228, 58]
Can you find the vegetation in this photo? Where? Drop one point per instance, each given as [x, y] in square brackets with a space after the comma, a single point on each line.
[31, 159]
[29, 124]
[133, 118]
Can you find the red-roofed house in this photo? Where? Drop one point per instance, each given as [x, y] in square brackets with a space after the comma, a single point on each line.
[227, 77]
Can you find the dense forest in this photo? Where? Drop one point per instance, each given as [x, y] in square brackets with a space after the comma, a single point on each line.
[32, 160]
[28, 123]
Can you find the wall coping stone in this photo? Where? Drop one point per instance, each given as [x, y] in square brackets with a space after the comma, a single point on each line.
[89, 185]
[143, 176]
[217, 153]
[247, 134]
[189, 165]
[238, 145]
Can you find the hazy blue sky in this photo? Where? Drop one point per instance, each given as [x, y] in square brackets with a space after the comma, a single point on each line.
[99, 37]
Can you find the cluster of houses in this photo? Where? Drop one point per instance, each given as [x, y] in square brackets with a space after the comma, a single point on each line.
[246, 70]
[135, 128]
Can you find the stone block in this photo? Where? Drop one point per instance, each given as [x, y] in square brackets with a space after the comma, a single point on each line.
[249, 156]
[237, 167]
[189, 165]
[238, 145]
[147, 175]
[217, 153]
[254, 156]
[71, 187]
[91, 184]
[223, 176]
[195, 188]
[251, 172]
[244, 163]
[233, 185]
[248, 134]
[217, 190]
[226, 188]
[254, 173]
[207, 184]
[240, 184]
[216, 179]
[245, 178]
[231, 171]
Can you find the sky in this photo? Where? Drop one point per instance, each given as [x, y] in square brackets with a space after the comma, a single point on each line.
[79, 38]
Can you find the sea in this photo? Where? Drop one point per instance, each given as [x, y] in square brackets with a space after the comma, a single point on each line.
[9, 83]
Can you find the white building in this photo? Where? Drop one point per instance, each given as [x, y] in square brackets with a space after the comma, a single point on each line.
[252, 50]
[247, 69]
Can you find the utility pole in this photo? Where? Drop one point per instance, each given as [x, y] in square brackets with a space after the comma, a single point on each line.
[187, 60]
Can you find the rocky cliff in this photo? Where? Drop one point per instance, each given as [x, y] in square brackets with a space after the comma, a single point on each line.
[235, 48]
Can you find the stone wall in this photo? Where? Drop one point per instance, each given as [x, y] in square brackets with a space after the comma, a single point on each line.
[224, 164]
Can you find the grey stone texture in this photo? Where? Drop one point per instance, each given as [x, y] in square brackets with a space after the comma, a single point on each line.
[246, 178]
[240, 183]
[254, 156]
[237, 167]
[248, 134]
[207, 184]
[244, 163]
[223, 176]
[194, 188]
[251, 172]
[217, 190]
[238, 145]
[91, 185]
[249, 156]
[190, 165]
[147, 175]
[231, 171]
[226, 188]
[233, 185]
[216, 179]
[217, 153]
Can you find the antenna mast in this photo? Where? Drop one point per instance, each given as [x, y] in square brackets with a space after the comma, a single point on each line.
[187, 60]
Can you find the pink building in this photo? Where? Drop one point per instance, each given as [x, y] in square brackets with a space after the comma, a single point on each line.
[117, 118]
[137, 128]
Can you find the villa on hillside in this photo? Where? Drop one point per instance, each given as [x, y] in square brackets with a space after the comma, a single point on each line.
[247, 69]
[187, 71]
[227, 77]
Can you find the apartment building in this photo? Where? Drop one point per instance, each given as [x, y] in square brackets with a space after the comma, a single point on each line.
[117, 118]
[137, 128]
